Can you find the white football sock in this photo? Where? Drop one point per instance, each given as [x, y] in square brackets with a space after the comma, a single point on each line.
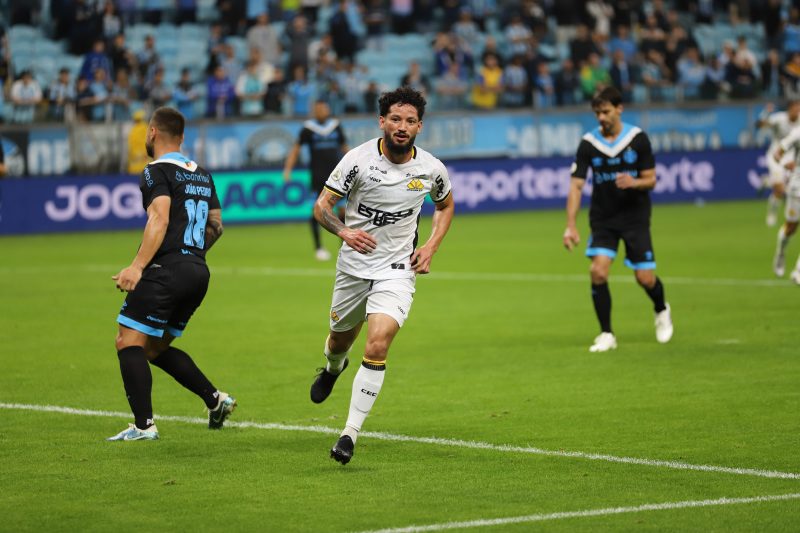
[335, 360]
[366, 386]
[773, 204]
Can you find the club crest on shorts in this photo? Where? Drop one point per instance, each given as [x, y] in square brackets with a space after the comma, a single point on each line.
[334, 316]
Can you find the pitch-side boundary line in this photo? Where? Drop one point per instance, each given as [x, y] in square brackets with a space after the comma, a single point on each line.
[666, 506]
[455, 443]
[514, 277]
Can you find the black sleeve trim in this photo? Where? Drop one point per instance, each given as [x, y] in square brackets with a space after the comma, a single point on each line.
[340, 194]
[445, 197]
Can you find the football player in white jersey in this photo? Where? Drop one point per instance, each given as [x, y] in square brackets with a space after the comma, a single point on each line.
[780, 124]
[385, 182]
[789, 145]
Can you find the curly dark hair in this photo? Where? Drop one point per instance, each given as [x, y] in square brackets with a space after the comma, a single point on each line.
[402, 95]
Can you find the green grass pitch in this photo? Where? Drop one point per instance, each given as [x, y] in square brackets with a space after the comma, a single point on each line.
[495, 350]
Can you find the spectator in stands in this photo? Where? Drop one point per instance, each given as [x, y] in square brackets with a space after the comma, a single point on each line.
[489, 48]
[100, 86]
[186, 94]
[264, 70]
[678, 41]
[568, 84]
[121, 58]
[82, 27]
[265, 37]
[334, 96]
[773, 23]
[371, 95]
[446, 52]
[122, 95]
[96, 59]
[186, 11]
[451, 89]
[727, 54]
[127, 11]
[310, 10]
[220, 95]
[772, 75]
[691, 74]
[250, 89]
[137, 154]
[415, 79]
[601, 13]
[322, 50]
[25, 96]
[744, 54]
[515, 83]
[703, 11]
[488, 84]
[148, 60]
[301, 92]
[216, 45]
[518, 36]
[351, 80]
[534, 17]
[111, 22]
[657, 11]
[158, 93]
[740, 75]
[623, 75]
[465, 30]
[85, 100]
[402, 16]
[623, 41]
[652, 37]
[375, 20]
[715, 83]
[231, 63]
[61, 95]
[544, 87]
[482, 10]
[593, 75]
[656, 75]
[276, 93]
[582, 46]
[345, 41]
[296, 40]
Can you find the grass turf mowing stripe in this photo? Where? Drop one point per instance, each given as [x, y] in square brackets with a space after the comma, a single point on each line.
[588, 513]
[676, 465]
[444, 276]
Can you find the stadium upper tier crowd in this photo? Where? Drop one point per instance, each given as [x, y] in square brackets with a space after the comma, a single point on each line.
[250, 58]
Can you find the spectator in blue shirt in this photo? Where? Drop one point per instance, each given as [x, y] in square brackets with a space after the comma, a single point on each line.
[623, 41]
[185, 94]
[301, 92]
[220, 95]
[96, 59]
[691, 74]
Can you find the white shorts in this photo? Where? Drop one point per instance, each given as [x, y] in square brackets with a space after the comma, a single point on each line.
[792, 211]
[778, 173]
[355, 298]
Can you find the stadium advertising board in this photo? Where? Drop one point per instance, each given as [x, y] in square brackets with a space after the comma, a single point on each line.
[106, 202]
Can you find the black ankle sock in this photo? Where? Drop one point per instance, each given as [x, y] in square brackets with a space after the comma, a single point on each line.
[315, 233]
[180, 366]
[138, 383]
[602, 305]
[657, 295]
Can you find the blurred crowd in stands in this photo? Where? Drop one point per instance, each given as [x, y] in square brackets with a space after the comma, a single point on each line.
[253, 58]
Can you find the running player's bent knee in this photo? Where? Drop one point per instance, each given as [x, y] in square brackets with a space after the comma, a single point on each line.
[791, 228]
[376, 350]
[599, 274]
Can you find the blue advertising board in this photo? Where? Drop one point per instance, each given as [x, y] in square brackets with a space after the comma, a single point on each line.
[106, 202]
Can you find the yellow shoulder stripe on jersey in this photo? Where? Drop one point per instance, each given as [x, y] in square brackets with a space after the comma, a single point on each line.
[443, 199]
[334, 191]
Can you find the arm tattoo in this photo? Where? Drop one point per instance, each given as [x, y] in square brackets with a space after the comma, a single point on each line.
[213, 233]
[331, 222]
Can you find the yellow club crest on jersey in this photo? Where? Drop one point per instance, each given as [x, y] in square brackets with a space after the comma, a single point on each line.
[415, 185]
[334, 316]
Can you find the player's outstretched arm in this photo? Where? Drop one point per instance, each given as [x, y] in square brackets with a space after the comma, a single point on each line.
[359, 240]
[291, 159]
[442, 217]
[213, 227]
[154, 232]
[571, 235]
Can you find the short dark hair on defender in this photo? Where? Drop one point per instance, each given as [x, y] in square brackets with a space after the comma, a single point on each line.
[609, 95]
[402, 95]
[169, 121]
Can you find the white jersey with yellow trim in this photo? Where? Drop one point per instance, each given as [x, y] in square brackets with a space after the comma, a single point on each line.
[780, 125]
[791, 144]
[385, 200]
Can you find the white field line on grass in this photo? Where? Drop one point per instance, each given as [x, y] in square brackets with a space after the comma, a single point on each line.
[666, 506]
[516, 277]
[675, 465]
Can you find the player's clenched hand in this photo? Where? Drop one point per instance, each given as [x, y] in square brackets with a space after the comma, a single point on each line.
[421, 260]
[625, 181]
[571, 238]
[359, 240]
[128, 278]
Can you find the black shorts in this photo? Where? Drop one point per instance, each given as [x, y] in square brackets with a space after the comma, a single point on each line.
[638, 245]
[165, 298]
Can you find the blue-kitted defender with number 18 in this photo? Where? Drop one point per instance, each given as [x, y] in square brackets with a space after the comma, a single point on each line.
[168, 278]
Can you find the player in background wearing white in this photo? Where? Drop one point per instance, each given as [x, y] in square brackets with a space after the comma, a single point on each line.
[789, 145]
[780, 124]
[385, 181]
